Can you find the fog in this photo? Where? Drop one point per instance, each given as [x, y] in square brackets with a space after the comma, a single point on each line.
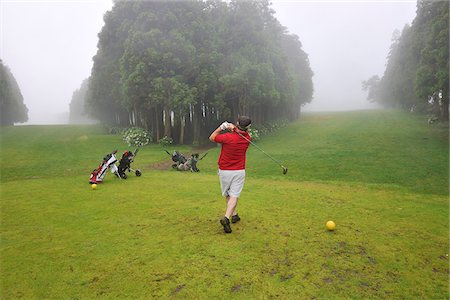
[49, 45]
[347, 42]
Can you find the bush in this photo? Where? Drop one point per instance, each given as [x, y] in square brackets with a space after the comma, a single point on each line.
[136, 136]
[112, 129]
[166, 141]
[254, 134]
[259, 131]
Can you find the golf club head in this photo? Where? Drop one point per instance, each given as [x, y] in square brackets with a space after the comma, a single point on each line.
[284, 170]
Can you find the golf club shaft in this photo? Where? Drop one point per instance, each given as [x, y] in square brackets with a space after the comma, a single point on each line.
[261, 150]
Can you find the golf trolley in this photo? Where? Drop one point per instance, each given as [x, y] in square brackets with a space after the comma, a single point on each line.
[183, 164]
[125, 164]
[109, 162]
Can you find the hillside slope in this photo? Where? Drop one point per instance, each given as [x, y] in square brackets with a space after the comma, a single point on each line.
[380, 175]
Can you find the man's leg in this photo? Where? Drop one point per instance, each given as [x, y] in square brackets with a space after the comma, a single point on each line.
[226, 220]
[227, 198]
[230, 214]
[231, 206]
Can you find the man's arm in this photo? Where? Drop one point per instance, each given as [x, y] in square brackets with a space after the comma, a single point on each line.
[223, 126]
[213, 135]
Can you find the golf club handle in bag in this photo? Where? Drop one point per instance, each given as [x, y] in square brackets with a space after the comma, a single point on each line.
[203, 155]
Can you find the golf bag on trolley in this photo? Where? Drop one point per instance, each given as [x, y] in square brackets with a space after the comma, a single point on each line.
[109, 162]
[125, 164]
[183, 164]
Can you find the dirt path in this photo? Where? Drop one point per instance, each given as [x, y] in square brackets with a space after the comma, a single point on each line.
[167, 164]
[161, 165]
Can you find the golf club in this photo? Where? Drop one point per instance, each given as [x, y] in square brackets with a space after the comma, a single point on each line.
[285, 169]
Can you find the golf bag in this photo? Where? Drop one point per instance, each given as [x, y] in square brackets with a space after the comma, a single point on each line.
[125, 164]
[109, 162]
[183, 164]
[177, 158]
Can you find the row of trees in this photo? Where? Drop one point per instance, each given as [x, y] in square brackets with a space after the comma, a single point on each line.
[417, 72]
[12, 108]
[178, 68]
[77, 110]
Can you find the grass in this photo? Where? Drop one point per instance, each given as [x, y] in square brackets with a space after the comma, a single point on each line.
[382, 176]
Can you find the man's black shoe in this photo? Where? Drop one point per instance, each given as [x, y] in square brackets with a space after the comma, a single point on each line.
[235, 219]
[226, 224]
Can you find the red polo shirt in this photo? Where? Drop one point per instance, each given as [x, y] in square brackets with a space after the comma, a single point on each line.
[234, 147]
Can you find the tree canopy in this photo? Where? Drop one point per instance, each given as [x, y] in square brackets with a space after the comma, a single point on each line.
[78, 113]
[178, 68]
[12, 108]
[417, 71]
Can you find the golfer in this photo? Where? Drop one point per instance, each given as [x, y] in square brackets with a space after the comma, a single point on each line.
[232, 164]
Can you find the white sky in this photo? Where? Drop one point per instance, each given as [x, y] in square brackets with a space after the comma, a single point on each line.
[49, 45]
[347, 42]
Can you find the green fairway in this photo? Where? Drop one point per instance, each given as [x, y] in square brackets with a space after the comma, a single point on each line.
[381, 176]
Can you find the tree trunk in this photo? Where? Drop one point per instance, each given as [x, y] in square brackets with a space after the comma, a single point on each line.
[197, 114]
[182, 125]
[167, 123]
[158, 122]
[151, 122]
[235, 112]
[444, 110]
[176, 126]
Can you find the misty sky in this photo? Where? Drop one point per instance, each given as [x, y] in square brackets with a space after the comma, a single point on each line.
[347, 42]
[49, 45]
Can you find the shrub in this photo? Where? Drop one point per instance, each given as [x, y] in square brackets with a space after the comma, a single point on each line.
[254, 134]
[112, 129]
[136, 136]
[166, 141]
[259, 131]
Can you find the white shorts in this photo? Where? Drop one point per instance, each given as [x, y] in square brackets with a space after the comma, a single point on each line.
[231, 182]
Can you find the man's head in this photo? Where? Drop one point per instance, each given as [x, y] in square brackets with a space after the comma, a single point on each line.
[244, 123]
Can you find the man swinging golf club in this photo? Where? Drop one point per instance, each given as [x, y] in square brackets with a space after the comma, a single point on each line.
[232, 164]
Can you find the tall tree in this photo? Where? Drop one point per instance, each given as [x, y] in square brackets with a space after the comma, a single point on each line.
[177, 68]
[417, 71]
[432, 77]
[372, 86]
[12, 108]
[77, 113]
[104, 100]
[300, 72]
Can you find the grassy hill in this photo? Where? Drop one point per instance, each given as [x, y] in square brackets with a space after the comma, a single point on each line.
[382, 176]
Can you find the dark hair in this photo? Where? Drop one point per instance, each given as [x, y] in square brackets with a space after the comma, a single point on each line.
[243, 123]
